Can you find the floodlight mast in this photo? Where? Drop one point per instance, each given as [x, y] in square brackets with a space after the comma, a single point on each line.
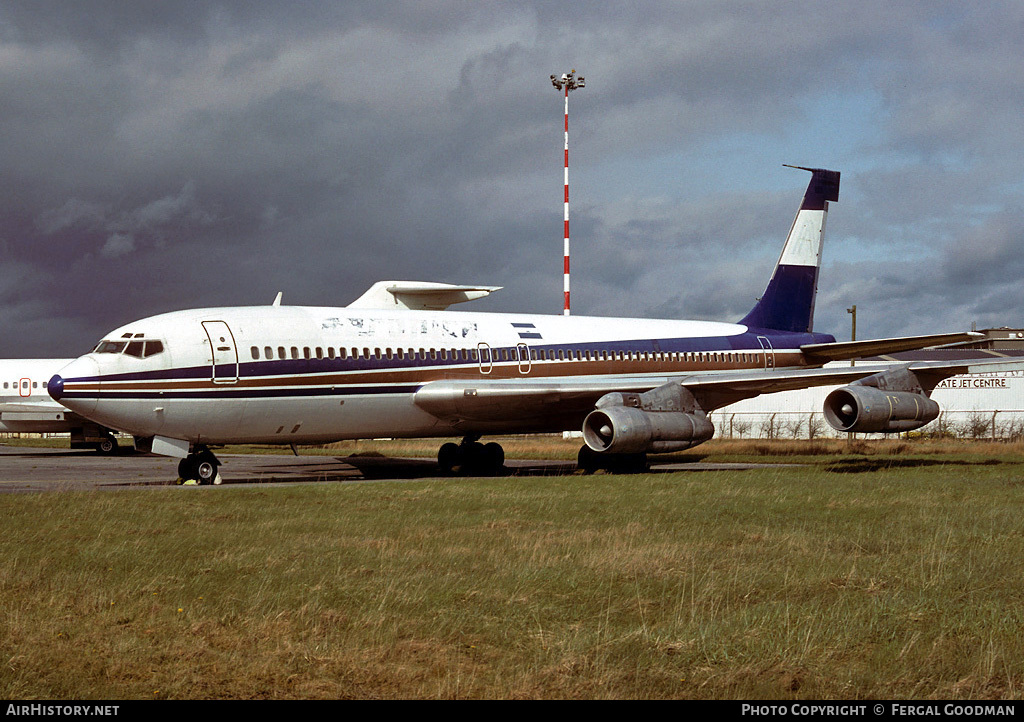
[565, 83]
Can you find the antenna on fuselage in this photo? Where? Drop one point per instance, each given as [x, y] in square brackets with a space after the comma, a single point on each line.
[277, 301]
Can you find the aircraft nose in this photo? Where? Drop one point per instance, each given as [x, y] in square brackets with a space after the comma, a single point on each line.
[62, 386]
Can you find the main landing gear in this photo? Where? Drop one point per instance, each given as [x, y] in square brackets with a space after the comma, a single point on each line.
[201, 467]
[107, 445]
[93, 436]
[588, 461]
[471, 458]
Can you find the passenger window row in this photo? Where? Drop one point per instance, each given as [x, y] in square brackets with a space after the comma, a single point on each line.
[518, 353]
[269, 353]
[22, 384]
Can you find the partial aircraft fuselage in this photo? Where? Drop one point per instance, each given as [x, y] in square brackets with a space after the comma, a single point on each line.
[26, 407]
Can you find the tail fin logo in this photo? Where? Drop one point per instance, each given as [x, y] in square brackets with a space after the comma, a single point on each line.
[788, 301]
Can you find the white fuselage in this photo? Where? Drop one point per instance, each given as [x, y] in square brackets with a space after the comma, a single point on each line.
[288, 374]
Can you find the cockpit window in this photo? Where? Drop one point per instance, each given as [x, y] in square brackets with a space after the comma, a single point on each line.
[136, 348]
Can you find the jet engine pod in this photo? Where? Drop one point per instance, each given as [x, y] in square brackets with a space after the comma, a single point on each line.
[865, 409]
[629, 430]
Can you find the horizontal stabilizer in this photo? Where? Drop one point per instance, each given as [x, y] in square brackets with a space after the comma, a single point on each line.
[844, 350]
[824, 186]
[418, 295]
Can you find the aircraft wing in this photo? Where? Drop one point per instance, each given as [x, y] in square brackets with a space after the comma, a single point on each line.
[720, 390]
[845, 350]
[484, 400]
[34, 411]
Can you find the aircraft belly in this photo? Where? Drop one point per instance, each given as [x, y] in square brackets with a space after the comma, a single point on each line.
[120, 415]
[180, 418]
[329, 418]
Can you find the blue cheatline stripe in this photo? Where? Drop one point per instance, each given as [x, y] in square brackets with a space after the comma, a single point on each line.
[291, 368]
[236, 393]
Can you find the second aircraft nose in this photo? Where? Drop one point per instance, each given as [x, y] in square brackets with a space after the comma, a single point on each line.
[55, 387]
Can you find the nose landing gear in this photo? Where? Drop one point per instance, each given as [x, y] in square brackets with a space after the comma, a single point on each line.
[201, 466]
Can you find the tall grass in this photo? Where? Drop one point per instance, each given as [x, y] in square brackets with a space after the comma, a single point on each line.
[772, 583]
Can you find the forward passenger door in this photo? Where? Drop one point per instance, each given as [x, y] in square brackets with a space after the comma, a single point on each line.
[224, 357]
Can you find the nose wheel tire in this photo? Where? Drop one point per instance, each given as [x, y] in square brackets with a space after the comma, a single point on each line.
[206, 471]
[202, 467]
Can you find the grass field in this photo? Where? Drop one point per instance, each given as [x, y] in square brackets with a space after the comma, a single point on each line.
[886, 572]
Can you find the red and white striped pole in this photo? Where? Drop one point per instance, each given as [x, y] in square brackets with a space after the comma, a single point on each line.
[567, 82]
[565, 282]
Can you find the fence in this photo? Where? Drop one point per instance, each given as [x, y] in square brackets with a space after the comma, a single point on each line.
[967, 424]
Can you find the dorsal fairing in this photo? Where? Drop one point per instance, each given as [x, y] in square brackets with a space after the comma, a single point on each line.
[788, 301]
[418, 295]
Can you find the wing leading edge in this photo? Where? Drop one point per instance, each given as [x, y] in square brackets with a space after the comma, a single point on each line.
[821, 353]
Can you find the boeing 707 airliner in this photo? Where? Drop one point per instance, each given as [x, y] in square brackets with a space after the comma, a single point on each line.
[397, 364]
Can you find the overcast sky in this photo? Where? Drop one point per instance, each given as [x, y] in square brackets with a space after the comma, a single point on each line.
[168, 155]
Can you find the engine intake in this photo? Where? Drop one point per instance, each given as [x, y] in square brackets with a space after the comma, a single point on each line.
[872, 410]
[663, 420]
[623, 430]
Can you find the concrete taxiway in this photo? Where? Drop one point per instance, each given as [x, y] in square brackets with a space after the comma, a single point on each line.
[24, 469]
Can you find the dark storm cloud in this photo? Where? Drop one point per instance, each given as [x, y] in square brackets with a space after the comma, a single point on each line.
[167, 155]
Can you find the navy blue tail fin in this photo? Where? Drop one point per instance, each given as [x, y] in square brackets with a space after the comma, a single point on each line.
[788, 302]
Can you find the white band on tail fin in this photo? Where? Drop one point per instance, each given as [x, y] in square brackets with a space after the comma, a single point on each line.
[803, 245]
